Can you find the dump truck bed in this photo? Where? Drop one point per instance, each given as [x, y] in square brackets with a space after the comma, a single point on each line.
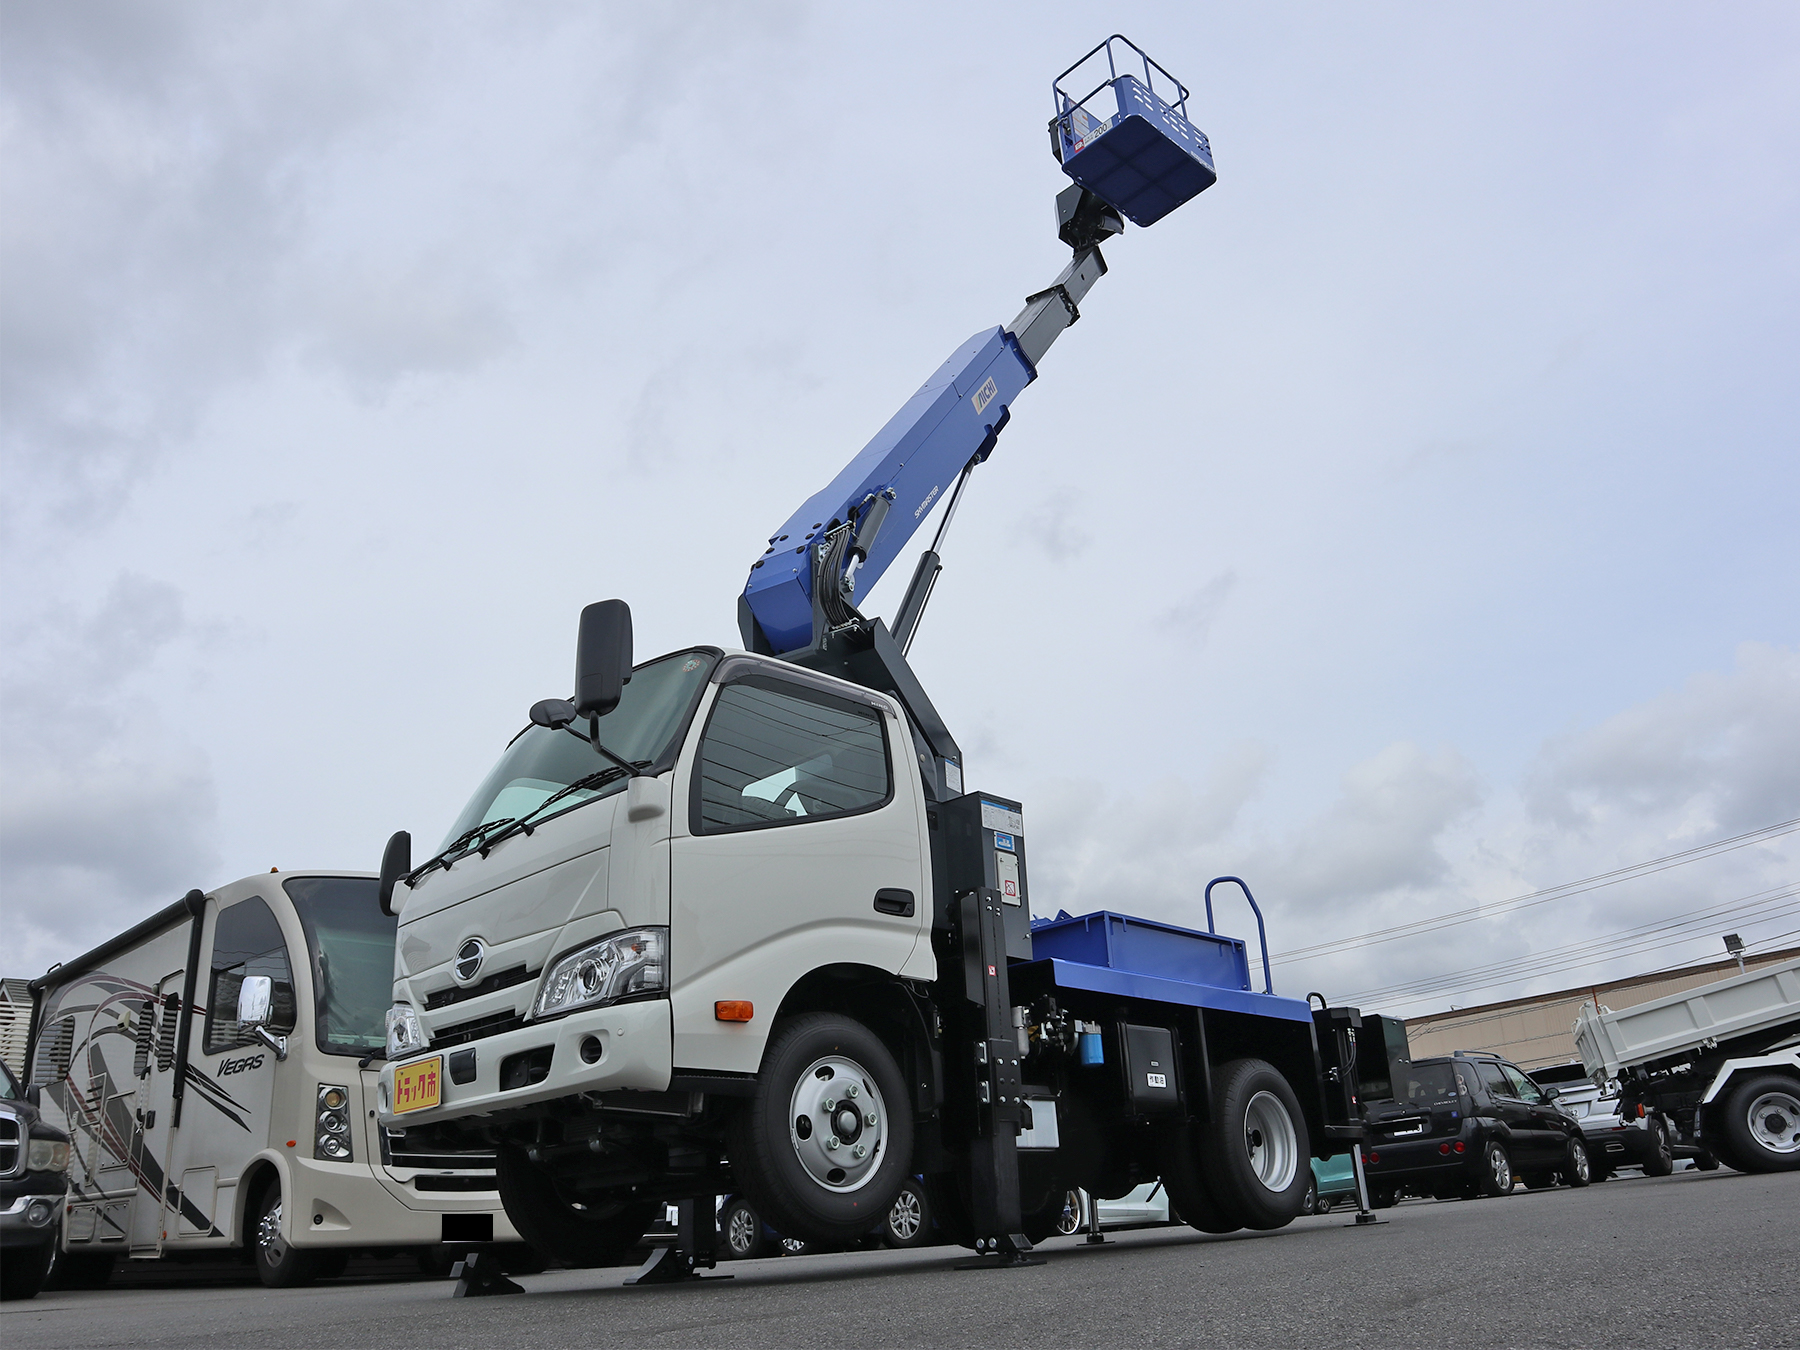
[1745, 1005]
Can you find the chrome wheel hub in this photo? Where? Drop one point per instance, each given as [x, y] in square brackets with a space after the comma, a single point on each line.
[742, 1233]
[1501, 1166]
[837, 1123]
[1774, 1120]
[268, 1235]
[1272, 1141]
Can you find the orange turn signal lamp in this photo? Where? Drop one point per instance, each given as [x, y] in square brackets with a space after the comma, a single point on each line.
[733, 1010]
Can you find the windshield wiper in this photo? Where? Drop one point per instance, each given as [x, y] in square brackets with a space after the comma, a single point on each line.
[599, 778]
[463, 843]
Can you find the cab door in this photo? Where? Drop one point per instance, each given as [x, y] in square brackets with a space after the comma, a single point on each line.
[801, 844]
[1548, 1132]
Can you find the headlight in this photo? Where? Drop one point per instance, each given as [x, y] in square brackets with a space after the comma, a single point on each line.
[47, 1155]
[632, 962]
[331, 1137]
[404, 1033]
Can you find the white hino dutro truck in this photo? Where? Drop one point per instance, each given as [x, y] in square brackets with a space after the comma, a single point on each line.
[212, 1067]
[730, 921]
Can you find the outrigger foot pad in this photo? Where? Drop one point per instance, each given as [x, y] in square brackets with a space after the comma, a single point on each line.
[670, 1265]
[478, 1275]
[1002, 1253]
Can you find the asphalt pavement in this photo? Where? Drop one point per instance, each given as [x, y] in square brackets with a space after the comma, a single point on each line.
[1696, 1259]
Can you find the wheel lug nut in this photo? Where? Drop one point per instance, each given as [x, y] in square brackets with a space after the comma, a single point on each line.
[850, 1091]
[869, 1119]
[829, 1104]
[858, 1151]
[832, 1142]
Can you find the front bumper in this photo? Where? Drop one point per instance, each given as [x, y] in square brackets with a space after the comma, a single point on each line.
[29, 1207]
[636, 1043]
[340, 1208]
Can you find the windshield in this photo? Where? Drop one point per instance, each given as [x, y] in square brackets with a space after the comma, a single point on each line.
[351, 946]
[655, 707]
[1428, 1082]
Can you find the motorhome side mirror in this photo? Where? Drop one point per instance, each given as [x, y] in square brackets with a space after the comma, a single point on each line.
[255, 997]
[555, 713]
[602, 657]
[396, 862]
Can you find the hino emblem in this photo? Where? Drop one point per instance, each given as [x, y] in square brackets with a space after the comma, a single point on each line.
[469, 957]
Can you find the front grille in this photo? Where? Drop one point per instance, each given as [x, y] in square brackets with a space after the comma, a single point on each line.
[469, 1183]
[504, 979]
[9, 1145]
[467, 1162]
[464, 1032]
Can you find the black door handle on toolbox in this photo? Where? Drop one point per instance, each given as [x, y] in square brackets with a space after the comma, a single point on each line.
[890, 901]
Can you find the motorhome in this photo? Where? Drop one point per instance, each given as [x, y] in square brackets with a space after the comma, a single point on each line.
[215, 1068]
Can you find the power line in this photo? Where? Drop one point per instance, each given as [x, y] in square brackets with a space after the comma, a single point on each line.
[1758, 907]
[1417, 926]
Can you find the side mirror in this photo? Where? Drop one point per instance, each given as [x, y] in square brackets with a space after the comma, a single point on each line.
[555, 713]
[1551, 1093]
[396, 862]
[256, 995]
[602, 657]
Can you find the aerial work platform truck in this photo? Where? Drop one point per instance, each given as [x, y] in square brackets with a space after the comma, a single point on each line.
[732, 920]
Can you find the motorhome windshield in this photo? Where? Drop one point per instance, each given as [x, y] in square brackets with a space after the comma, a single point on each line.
[351, 946]
[655, 707]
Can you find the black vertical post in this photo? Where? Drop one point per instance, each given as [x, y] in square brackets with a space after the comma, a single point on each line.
[999, 1094]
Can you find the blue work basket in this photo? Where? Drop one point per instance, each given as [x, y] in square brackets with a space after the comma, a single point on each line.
[1123, 141]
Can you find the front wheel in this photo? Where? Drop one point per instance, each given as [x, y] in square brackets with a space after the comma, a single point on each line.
[596, 1232]
[279, 1264]
[1577, 1168]
[1762, 1124]
[824, 1146]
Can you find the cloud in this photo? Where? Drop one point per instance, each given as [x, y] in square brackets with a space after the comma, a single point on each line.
[1193, 618]
[104, 815]
[1716, 757]
[1052, 527]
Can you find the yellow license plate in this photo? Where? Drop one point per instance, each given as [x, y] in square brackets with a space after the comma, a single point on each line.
[417, 1085]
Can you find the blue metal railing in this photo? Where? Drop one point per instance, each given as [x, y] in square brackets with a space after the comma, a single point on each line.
[1066, 103]
[1262, 933]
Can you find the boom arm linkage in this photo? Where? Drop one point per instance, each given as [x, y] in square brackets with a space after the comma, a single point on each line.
[845, 537]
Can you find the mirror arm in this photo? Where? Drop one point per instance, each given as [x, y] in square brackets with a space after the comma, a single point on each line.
[276, 1043]
[594, 737]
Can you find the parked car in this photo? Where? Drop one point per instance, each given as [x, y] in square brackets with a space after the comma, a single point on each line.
[1334, 1182]
[34, 1162]
[1468, 1125]
[744, 1236]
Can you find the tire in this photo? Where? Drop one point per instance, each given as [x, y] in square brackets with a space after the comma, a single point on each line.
[577, 1235]
[908, 1221]
[1179, 1151]
[1384, 1197]
[1540, 1181]
[1311, 1204]
[824, 1072]
[1070, 1222]
[279, 1264]
[1660, 1161]
[1705, 1162]
[1496, 1170]
[1578, 1163]
[1761, 1124]
[741, 1232]
[1253, 1156]
[25, 1270]
[435, 1262]
[1046, 1221]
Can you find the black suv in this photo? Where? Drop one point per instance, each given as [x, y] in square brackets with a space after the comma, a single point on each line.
[34, 1156]
[1465, 1126]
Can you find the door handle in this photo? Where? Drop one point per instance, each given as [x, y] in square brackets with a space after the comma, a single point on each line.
[149, 1120]
[891, 901]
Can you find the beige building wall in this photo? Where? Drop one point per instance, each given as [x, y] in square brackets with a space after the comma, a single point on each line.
[1534, 1032]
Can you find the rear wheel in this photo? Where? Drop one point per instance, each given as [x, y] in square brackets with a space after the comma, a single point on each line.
[595, 1232]
[742, 1228]
[824, 1146]
[1761, 1124]
[1661, 1159]
[1577, 1168]
[908, 1222]
[279, 1264]
[1496, 1170]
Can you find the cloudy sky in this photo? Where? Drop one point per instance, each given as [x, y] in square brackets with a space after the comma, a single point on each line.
[1408, 527]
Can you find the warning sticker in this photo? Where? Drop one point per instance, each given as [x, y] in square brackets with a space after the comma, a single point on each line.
[1157, 1080]
[995, 817]
[1006, 868]
[1005, 841]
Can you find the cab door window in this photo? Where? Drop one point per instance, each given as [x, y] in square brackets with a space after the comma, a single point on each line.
[246, 941]
[777, 754]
